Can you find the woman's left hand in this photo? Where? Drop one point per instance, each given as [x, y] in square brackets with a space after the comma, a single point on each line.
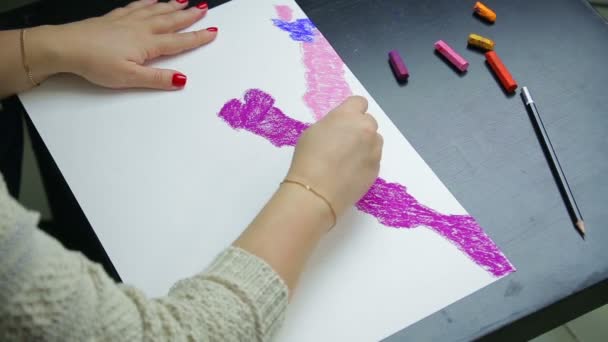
[111, 50]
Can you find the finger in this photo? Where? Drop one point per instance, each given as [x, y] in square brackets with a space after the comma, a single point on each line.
[176, 21]
[122, 11]
[353, 104]
[371, 121]
[174, 43]
[153, 78]
[160, 8]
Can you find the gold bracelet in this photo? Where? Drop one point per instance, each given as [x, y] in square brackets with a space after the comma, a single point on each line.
[309, 188]
[26, 67]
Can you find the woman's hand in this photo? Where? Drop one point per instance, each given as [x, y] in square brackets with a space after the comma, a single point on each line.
[340, 155]
[111, 50]
[340, 158]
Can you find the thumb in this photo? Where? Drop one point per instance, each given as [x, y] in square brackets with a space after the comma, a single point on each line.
[148, 77]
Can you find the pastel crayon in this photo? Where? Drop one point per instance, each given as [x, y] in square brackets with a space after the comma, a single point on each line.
[501, 71]
[484, 12]
[398, 65]
[459, 62]
[481, 42]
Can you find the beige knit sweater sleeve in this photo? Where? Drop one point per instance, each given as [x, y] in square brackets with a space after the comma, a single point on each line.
[48, 293]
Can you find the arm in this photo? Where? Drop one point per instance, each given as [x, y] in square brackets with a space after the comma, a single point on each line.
[51, 294]
[109, 51]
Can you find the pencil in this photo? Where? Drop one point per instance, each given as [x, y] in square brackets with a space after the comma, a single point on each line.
[564, 188]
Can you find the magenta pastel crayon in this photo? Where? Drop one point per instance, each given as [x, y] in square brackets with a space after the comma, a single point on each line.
[459, 62]
[398, 65]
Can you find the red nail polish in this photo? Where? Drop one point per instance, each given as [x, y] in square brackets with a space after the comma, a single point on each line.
[211, 29]
[179, 80]
[182, 1]
[202, 6]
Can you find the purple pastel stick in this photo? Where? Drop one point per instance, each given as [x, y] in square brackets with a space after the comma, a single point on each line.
[459, 62]
[398, 65]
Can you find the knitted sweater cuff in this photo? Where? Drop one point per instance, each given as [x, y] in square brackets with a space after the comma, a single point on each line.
[256, 282]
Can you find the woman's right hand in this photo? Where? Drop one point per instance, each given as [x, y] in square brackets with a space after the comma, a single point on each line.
[339, 156]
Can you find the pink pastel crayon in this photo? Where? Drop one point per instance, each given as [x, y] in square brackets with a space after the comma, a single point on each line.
[451, 55]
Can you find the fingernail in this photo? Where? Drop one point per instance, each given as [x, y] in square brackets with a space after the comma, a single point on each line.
[179, 80]
[212, 29]
[182, 1]
[202, 6]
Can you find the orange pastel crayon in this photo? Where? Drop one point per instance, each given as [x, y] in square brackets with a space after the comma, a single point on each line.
[484, 12]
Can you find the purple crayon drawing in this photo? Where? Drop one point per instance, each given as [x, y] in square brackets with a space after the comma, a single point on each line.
[393, 206]
[390, 203]
[257, 115]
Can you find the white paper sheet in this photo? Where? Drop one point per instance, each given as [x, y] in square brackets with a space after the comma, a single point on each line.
[166, 184]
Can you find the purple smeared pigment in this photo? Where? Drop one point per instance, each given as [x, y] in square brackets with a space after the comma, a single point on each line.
[393, 206]
[301, 30]
[257, 115]
[390, 203]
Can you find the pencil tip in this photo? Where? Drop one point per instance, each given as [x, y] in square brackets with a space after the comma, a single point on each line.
[580, 225]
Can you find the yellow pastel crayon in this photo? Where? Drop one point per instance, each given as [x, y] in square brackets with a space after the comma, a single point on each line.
[481, 42]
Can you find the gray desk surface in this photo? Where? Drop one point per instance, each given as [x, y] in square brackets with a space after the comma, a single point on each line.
[481, 143]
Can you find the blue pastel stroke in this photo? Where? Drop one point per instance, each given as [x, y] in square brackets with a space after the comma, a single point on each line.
[301, 30]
